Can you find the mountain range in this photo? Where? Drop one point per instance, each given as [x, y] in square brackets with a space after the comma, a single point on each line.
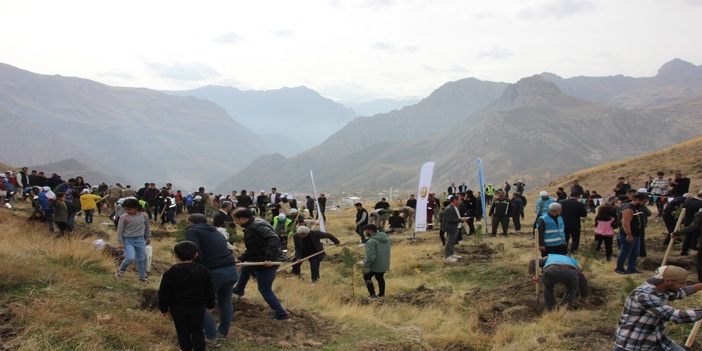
[136, 135]
[531, 130]
[291, 120]
[536, 129]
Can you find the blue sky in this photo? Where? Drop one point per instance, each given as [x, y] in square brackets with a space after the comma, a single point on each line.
[350, 51]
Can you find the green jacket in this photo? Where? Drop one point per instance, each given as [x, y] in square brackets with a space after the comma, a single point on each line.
[377, 253]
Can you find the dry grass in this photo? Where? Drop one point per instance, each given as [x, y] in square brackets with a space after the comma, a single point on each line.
[63, 293]
[684, 157]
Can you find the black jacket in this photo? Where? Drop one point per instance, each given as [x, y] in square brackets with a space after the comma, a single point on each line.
[222, 220]
[573, 209]
[261, 241]
[691, 207]
[212, 246]
[501, 208]
[186, 284]
[316, 237]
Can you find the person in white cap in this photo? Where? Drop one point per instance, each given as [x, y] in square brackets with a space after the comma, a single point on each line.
[541, 208]
[642, 323]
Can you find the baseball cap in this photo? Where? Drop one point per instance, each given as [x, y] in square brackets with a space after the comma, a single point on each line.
[667, 272]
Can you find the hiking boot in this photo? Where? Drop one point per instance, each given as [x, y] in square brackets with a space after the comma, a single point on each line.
[145, 281]
[119, 273]
[372, 298]
[285, 317]
[212, 343]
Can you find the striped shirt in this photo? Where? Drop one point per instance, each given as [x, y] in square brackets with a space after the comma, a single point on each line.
[642, 324]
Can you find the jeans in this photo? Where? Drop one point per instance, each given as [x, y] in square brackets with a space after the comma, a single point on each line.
[314, 268]
[71, 221]
[264, 277]
[223, 280]
[89, 216]
[564, 275]
[450, 241]
[380, 277]
[188, 324]
[630, 252]
[135, 246]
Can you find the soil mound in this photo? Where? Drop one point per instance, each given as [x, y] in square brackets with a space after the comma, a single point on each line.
[304, 329]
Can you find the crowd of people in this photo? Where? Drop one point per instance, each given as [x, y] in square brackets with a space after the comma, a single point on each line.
[273, 221]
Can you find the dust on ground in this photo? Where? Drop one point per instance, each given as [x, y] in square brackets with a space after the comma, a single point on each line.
[254, 325]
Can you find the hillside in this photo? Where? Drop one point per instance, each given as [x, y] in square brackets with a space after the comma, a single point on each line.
[445, 109]
[136, 135]
[685, 157]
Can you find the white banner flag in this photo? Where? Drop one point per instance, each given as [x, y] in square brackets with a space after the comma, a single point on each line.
[320, 217]
[420, 220]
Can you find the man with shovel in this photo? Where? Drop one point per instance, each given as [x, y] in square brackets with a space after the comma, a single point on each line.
[308, 244]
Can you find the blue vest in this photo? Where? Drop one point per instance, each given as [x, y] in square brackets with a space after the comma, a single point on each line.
[544, 210]
[560, 259]
[554, 232]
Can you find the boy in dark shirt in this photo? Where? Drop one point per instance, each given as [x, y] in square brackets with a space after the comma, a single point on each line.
[186, 291]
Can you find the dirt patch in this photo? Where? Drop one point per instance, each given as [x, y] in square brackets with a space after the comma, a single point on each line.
[9, 334]
[652, 263]
[518, 245]
[304, 329]
[421, 296]
[160, 267]
[160, 233]
[149, 299]
[480, 251]
[591, 338]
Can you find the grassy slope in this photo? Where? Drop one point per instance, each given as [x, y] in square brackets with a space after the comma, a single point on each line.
[684, 157]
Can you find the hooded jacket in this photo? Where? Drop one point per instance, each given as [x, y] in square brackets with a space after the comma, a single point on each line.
[212, 246]
[377, 253]
[186, 284]
[261, 241]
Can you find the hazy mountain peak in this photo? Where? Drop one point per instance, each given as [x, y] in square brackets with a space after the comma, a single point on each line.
[530, 91]
[679, 70]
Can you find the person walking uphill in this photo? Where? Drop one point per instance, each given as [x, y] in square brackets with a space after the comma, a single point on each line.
[133, 234]
[216, 257]
[642, 323]
[262, 246]
[376, 261]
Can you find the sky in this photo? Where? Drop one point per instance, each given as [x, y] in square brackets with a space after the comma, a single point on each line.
[349, 51]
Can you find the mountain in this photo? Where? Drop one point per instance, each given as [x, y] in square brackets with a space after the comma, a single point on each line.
[300, 114]
[377, 106]
[136, 135]
[676, 80]
[533, 131]
[71, 168]
[446, 108]
[682, 157]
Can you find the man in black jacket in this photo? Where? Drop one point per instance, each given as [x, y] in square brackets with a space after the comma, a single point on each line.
[214, 255]
[501, 212]
[262, 247]
[222, 219]
[361, 220]
[573, 210]
[307, 243]
[668, 217]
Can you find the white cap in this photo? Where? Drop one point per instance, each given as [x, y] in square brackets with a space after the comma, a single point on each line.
[642, 190]
[46, 188]
[85, 191]
[198, 197]
[543, 193]
[281, 216]
[293, 210]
